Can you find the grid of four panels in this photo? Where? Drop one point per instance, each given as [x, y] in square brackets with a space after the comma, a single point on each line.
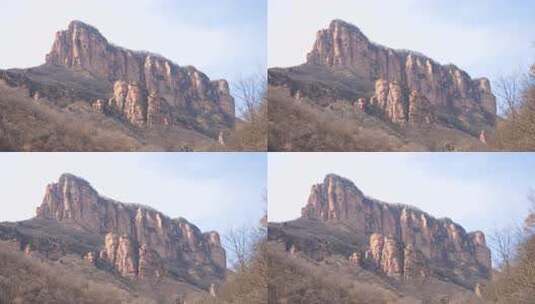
[267, 151]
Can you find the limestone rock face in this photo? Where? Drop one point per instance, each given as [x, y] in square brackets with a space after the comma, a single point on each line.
[149, 90]
[414, 263]
[131, 102]
[403, 241]
[120, 252]
[397, 74]
[356, 259]
[136, 239]
[99, 106]
[384, 255]
[389, 99]
[483, 255]
[150, 264]
[216, 250]
[91, 258]
[391, 259]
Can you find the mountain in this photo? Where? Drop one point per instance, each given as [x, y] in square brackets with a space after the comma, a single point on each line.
[397, 247]
[143, 94]
[347, 74]
[134, 247]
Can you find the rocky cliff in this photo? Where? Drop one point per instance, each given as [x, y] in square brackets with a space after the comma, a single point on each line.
[404, 87]
[136, 241]
[396, 240]
[142, 88]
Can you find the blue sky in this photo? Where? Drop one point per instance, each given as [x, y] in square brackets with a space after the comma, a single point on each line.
[484, 37]
[481, 191]
[215, 191]
[223, 38]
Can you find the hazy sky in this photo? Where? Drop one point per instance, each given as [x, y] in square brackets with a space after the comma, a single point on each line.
[215, 191]
[481, 191]
[223, 38]
[484, 37]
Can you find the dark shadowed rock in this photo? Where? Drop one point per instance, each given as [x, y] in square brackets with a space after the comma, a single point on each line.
[397, 240]
[135, 241]
[143, 89]
[403, 87]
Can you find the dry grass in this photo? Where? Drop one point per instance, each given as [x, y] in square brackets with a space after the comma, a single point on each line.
[248, 284]
[514, 280]
[24, 280]
[26, 125]
[516, 284]
[29, 125]
[517, 131]
[299, 127]
[293, 280]
[251, 135]
[304, 126]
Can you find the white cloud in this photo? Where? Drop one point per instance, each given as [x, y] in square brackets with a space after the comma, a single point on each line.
[475, 200]
[483, 49]
[27, 29]
[212, 201]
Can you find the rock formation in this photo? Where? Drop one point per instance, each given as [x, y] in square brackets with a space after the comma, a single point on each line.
[147, 90]
[396, 240]
[120, 252]
[136, 239]
[405, 87]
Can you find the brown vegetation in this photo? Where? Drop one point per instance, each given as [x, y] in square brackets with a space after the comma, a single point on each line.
[516, 131]
[30, 125]
[292, 280]
[24, 280]
[514, 280]
[303, 125]
[248, 283]
[251, 130]
[300, 127]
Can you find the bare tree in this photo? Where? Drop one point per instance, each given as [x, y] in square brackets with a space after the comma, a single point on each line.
[503, 243]
[250, 133]
[517, 101]
[529, 222]
[509, 91]
[239, 242]
[251, 92]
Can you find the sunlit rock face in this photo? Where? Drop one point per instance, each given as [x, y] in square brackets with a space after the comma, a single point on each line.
[149, 90]
[401, 241]
[137, 239]
[410, 88]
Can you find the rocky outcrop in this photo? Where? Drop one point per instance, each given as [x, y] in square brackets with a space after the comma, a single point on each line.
[384, 254]
[405, 87]
[149, 90]
[136, 239]
[401, 241]
[120, 252]
[414, 263]
[389, 99]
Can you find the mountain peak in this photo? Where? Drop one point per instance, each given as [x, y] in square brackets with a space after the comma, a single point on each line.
[333, 46]
[332, 177]
[77, 24]
[397, 240]
[326, 198]
[71, 177]
[148, 90]
[143, 233]
[339, 24]
[395, 78]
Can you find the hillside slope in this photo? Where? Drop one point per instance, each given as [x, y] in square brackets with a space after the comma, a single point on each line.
[403, 254]
[135, 249]
[156, 103]
[408, 94]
